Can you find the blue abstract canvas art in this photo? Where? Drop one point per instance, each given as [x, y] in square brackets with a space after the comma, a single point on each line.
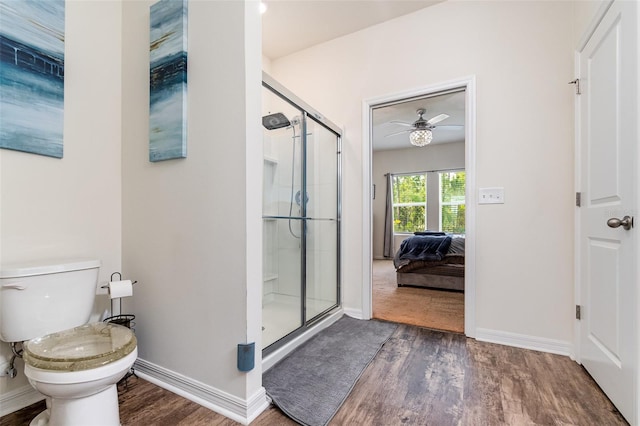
[168, 81]
[32, 76]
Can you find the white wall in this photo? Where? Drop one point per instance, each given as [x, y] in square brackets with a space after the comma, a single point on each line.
[71, 207]
[522, 56]
[431, 157]
[266, 64]
[192, 227]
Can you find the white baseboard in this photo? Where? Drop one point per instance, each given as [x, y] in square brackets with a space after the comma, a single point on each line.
[534, 343]
[354, 313]
[273, 358]
[231, 406]
[18, 399]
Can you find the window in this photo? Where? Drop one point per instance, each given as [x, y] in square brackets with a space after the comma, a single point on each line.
[452, 202]
[409, 203]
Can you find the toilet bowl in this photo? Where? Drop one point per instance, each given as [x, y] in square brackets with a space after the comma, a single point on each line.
[78, 370]
[46, 306]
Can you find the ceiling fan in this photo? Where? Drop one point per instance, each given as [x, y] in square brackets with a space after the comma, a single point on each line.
[420, 132]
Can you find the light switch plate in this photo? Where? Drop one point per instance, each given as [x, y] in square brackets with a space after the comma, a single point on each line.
[491, 195]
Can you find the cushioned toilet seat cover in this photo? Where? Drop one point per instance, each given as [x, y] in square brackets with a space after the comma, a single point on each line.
[81, 348]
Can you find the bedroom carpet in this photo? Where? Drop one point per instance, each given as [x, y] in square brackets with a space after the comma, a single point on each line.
[437, 309]
[312, 382]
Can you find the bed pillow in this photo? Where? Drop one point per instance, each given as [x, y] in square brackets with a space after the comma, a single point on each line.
[428, 233]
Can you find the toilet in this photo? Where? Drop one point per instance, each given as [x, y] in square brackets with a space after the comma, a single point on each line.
[76, 365]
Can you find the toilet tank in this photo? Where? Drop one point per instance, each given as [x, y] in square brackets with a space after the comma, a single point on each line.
[37, 299]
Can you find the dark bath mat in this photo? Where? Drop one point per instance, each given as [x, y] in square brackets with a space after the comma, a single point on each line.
[312, 382]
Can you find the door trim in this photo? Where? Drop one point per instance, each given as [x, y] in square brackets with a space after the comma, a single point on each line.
[469, 85]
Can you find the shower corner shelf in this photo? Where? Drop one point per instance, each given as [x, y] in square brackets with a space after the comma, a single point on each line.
[271, 160]
[269, 277]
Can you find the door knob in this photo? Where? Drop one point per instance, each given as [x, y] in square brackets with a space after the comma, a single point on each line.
[626, 222]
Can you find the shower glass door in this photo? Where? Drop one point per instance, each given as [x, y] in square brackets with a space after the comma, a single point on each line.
[282, 224]
[300, 216]
[322, 219]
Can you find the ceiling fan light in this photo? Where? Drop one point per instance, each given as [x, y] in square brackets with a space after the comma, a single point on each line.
[421, 137]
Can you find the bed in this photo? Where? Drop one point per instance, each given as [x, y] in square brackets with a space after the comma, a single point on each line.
[431, 259]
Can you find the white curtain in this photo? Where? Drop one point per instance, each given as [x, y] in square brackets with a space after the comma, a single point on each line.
[388, 219]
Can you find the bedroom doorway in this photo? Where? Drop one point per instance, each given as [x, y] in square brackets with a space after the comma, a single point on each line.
[422, 187]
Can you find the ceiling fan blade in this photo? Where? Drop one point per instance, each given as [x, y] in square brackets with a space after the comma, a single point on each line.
[449, 126]
[402, 123]
[437, 118]
[397, 133]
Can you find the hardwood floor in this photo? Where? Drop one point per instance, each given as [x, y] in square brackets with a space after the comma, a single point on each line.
[419, 377]
[424, 307]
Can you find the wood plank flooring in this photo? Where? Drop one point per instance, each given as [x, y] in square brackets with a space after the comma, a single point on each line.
[419, 377]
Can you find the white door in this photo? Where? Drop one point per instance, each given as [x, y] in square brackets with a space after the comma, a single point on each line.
[608, 115]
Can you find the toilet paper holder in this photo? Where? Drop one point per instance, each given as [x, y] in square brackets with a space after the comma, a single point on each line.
[120, 319]
[106, 286]
[119, 279]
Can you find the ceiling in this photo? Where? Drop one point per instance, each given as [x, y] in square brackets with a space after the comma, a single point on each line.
[452, 104]
[292, 25]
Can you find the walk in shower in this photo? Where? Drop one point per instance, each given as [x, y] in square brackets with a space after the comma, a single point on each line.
[300, 215]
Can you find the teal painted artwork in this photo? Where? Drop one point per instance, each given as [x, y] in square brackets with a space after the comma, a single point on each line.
[168, 81]
[32, 76]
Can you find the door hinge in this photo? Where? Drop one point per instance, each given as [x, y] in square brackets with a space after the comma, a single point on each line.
[578, 198]
[577, 83]
[578, 314]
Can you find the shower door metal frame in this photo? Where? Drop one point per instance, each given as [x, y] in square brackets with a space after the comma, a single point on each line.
[309, 113]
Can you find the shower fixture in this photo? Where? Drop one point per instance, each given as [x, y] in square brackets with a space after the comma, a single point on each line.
[296, 121]
[299, 198]
[275, 121]
[278, 121]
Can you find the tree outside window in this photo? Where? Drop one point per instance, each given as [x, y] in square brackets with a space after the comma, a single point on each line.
[409, 203]
[452, 202]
